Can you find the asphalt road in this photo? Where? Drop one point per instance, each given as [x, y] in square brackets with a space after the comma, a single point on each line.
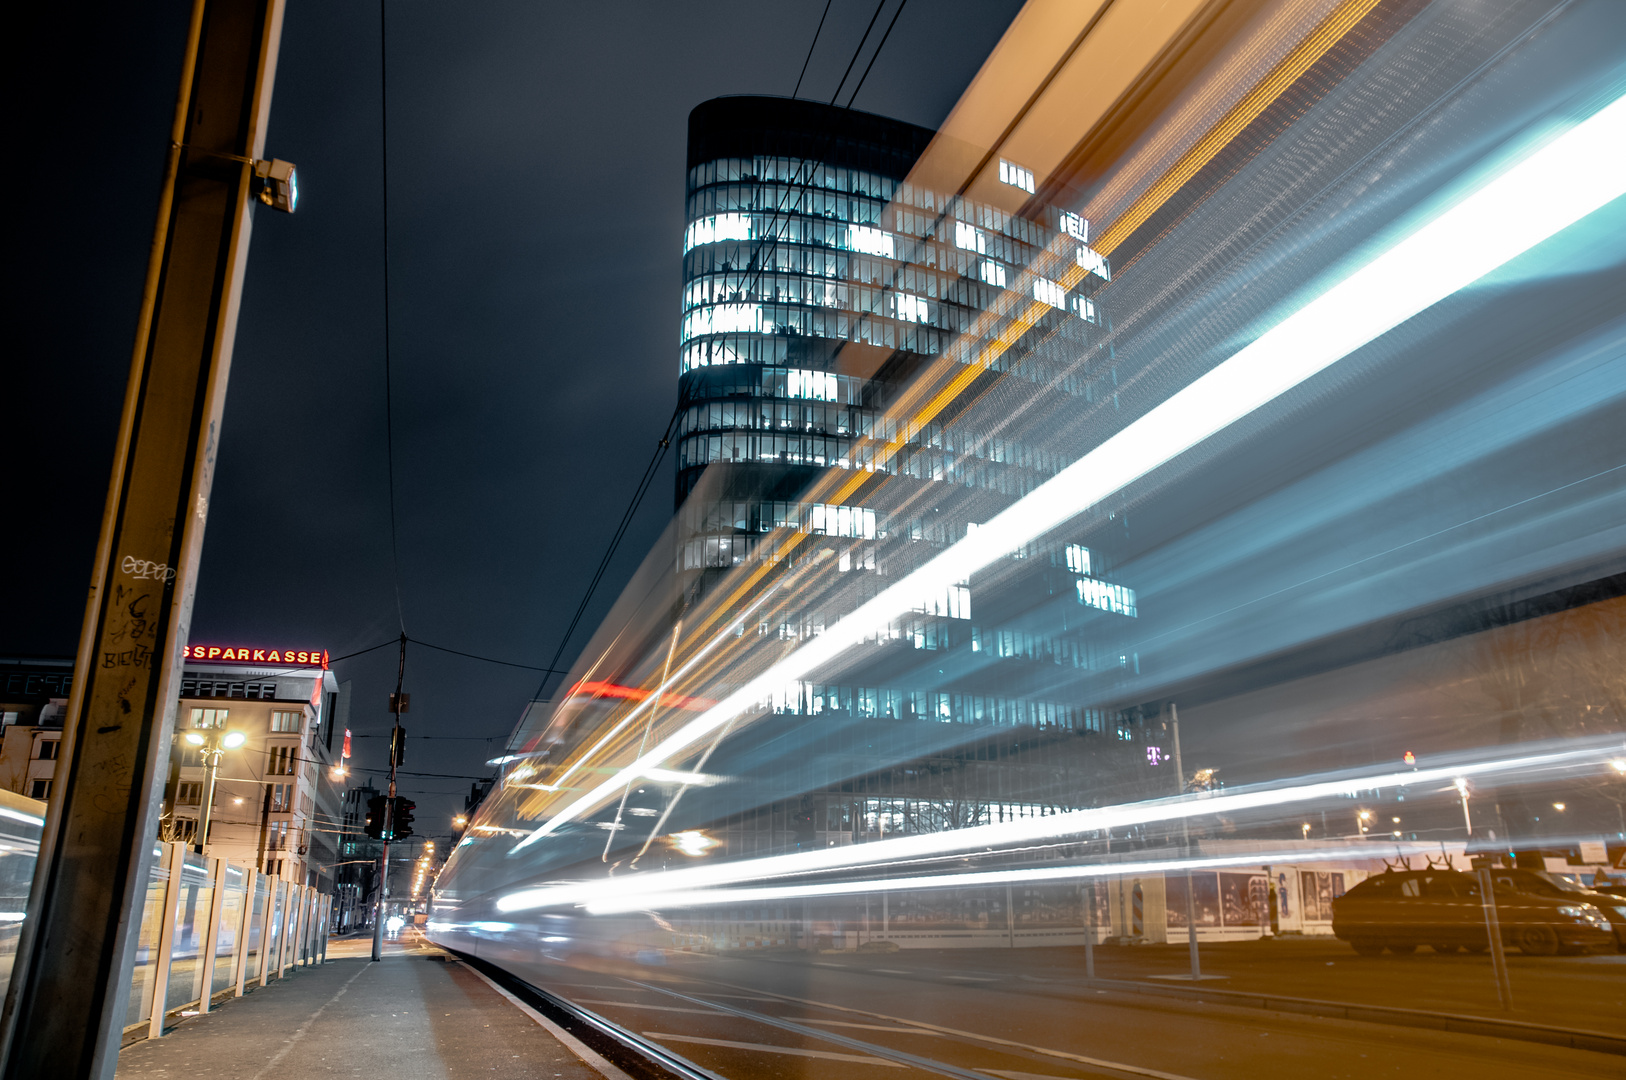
[1023, 1015]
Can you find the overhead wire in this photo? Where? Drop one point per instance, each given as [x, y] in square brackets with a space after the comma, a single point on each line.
[389, 424]
[811, 47]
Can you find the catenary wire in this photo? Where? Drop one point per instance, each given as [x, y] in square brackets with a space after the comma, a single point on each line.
[811, 47]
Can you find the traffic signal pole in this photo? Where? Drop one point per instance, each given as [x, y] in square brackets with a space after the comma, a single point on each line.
[70, 984]
[389, 807]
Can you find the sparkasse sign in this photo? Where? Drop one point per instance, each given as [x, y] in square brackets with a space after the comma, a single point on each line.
[240, 654]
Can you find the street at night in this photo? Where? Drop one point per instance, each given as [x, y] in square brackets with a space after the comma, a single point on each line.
[997, 539]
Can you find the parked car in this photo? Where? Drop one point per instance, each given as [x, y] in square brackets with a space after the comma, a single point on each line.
[1541, 883]
[1400, 910]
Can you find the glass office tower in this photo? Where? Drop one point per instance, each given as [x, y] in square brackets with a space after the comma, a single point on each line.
[818, 284]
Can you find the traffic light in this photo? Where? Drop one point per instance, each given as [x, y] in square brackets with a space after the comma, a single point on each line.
[375, 817]
[401, 820]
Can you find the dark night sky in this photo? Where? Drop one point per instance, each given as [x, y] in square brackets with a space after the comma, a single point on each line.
[536, 164]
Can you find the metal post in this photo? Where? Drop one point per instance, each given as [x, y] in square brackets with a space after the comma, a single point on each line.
[164, 948]
[211, 936]
[1493, 931]
[1185, 838]
[1010, 921]
[1089, 929]
[70, 984]
[212, 754]
[389, 808]
[266, 923]
[245, 930]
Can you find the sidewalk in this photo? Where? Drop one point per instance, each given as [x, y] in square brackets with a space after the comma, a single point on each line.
[417, 1014]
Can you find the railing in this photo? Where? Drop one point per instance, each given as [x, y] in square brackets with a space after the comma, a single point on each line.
[211, 930]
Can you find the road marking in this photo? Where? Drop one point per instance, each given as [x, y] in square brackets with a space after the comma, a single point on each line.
[971, 978]
[865, 1027]
[299, 1032]
[575, 1045]
[888, 971]
[768, 1048]
[1099, 1063]
[640, 1005]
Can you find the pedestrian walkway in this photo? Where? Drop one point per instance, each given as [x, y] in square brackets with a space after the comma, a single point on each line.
[418, 1014]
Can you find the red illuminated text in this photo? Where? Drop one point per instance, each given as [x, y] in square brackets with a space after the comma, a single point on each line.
[239, 654]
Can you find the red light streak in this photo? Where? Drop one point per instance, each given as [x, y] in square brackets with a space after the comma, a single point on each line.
[633, 693]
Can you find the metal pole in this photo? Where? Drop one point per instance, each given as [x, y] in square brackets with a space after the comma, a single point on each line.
[1493, 931]
[1185, 838]
[1089, 929]
[212, 754]
[65, 1007]
[389, 810]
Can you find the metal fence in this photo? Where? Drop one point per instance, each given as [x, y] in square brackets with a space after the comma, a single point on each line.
[211, 930]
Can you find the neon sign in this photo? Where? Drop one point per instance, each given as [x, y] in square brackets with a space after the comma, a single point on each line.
[237, 654]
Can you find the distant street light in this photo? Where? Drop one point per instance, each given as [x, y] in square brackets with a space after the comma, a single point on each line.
[1306, 829]
[1361, 819]
[1461, 783]
[1558, 806]
[212, 742]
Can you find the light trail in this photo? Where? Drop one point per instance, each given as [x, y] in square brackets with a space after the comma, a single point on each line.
[1528, 201]
[991, 839]
[621, 905]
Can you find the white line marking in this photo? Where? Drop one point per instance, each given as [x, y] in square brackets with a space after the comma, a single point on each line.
[299, 1033]
[575, 1045]
[865, 1027]
[768, 1048]
[640, 1005]
[990, 1039]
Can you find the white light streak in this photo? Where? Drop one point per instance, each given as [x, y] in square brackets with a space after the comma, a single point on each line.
[1006, 834]
[1551, 188]
[616, 905]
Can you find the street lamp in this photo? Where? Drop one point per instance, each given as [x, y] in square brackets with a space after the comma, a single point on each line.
[1461, 783]
[1361, 819]
[1306, 829]
[212, 743]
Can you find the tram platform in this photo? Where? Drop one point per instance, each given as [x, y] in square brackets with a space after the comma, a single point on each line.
[417, 1014]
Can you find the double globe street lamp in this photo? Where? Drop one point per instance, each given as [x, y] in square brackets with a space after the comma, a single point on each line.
[212, 743]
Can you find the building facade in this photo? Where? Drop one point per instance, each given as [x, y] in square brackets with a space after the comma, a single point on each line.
[276, 804]
[33, 703]
[820, 288]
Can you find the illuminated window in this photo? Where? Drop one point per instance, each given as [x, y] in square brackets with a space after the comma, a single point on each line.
[1076, 227]
[970, 238]
[1084, 308]
[1016, 176]
[1078, 559]
[816, 385]
[870, 241]
[711, 230]
[830, 520]
[1107, 597]
[912, 308]
[1094, 262]
[954, 602]
[993, 273]
[723, 319]
[1049, 292]
[205, 718]
[285, 721]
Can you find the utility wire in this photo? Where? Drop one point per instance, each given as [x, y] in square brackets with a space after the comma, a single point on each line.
[875, 55]
[811, 47]
[858, 51]
[644, 482]
[487, 659]
[389, 427]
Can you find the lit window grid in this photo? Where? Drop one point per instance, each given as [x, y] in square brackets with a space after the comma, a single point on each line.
[1016, 176]
[1106, 596]
[813, 699]
[790, 185]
